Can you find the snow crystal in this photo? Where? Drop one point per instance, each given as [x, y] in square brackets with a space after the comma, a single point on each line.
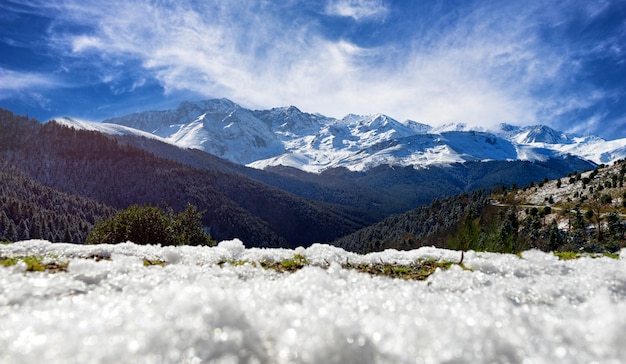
[109, 307]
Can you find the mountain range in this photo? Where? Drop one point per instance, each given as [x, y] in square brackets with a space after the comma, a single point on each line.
[278, 177]
[372, 163]
[314, 143]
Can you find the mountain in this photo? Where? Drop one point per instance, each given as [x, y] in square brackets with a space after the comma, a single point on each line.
[219, 127]
[369, 144]
[315, 143]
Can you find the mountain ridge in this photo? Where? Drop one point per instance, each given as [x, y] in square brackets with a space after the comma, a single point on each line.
[312, 142]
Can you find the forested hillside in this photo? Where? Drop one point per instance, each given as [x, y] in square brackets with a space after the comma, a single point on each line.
[427, 225]
[584, 211]
[31, 210]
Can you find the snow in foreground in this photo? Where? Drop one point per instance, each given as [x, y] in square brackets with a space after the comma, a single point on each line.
[536, 309]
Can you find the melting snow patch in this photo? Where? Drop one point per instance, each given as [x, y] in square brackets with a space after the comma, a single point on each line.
[107, 306]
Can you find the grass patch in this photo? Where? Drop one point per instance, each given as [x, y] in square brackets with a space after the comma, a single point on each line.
[35, 264]
[419, 270]
[575, 255]
[567, 255]
[7, 262]
[235, 263]
[150, 262]
[290, 265]
[53, 264]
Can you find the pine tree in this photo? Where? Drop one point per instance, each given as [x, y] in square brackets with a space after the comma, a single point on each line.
[24, 231]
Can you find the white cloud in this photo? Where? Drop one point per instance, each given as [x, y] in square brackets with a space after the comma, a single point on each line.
[28, 87]
[356, 9]
[82, 43]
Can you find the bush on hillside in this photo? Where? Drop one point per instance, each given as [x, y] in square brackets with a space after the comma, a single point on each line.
[151, 225]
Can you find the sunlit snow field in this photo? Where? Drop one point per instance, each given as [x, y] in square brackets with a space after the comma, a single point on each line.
[534, 309]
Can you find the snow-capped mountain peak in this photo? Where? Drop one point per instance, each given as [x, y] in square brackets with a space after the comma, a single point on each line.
[508, 128]
[290, 121]
[313, 142]
[418, 127]
[541, 134]
[449, 127]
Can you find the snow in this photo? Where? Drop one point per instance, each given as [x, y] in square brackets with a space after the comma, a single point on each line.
[597, 150]
[106, 128]
[533, 309]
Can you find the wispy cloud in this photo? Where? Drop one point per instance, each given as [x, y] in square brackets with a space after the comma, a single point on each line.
[356, 9]
[484, 64]
[12, 82]
[28, 87]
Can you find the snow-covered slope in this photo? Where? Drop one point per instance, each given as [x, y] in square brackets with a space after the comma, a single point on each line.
[541, 137]
[312, 142]
[106, 128]
[219, 127]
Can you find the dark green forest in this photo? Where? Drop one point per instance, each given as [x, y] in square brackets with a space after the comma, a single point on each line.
[31, 210]
[429, 225]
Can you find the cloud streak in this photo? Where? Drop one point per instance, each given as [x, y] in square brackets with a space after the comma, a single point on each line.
[12, 82]
[356, 9]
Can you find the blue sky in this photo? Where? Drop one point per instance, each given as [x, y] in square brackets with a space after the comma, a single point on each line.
[559, 63]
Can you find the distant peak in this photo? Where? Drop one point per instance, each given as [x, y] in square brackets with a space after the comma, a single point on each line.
[69, 122]
[417, 126]
[541, 134]
[352, 117]
[287, 110]
[63, 118]
[212, 105]
[450, 127]
[508, 127]
[204, 103]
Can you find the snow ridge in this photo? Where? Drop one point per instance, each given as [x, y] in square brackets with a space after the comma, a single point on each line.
[312, 142]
